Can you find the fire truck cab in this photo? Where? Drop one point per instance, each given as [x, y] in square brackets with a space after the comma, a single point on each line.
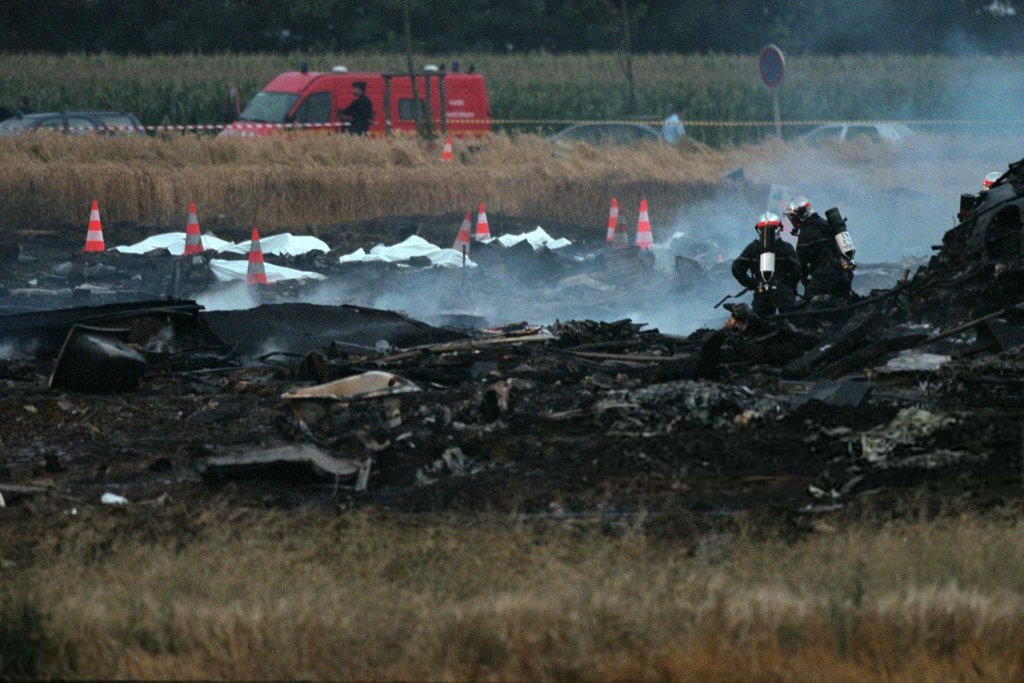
[314, 100]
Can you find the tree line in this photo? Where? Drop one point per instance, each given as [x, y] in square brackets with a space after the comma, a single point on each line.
[450, 26]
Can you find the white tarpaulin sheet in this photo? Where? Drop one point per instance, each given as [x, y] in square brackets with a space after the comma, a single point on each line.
[449, 258]
[229, 271]
[538, 239]
[357, 256]
[285, 244]
[411, 247]
[173, 242]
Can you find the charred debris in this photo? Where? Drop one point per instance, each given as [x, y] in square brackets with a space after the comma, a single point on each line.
[916, 385]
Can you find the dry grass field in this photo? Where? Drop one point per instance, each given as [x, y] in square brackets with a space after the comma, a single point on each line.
[178, 593]
[320, 180]
[305, 182]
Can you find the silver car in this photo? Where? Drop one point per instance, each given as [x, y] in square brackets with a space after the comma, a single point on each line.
[604, 134]
[860, 132]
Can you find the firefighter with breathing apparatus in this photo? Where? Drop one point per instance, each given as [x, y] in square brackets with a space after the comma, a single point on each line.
[824, 248]
[769, 266]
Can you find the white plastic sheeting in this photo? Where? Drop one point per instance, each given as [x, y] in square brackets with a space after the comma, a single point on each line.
[408, 248]
[538, 239]
[229, 271]
[411, 247]
[174, 242]
[357, 256]
[285, 244]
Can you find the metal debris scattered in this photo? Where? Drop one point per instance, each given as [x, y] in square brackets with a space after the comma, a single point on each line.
[920, 382]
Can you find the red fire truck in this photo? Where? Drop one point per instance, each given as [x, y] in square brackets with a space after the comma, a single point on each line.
[313, 101]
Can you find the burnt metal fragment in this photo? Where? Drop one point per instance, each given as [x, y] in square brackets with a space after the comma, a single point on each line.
[98, 360]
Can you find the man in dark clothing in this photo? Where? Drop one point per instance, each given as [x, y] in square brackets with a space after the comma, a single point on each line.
[359, 114]
[826, 271]
[769, 267]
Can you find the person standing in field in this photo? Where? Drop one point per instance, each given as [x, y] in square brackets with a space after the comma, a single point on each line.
[359, 114]
[673, 128]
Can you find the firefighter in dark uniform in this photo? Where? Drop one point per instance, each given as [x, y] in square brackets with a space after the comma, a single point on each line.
[359, 114]
[769, 267]
[826, 271]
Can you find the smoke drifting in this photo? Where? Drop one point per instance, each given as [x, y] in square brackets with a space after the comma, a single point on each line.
[899, 198]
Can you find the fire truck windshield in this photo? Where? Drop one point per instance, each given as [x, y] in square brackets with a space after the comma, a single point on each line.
[269, 107]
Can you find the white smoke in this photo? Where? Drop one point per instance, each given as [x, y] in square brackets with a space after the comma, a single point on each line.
[231, 297]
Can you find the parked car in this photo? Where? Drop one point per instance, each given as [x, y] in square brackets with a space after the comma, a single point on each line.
[870, 132]
[602, 134]
[314, 97]
[74, 123]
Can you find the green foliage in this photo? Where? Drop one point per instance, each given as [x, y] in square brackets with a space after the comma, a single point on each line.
[191, 88]
[685, 26]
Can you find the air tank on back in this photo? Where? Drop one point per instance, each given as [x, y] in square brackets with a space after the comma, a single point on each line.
[842, 235]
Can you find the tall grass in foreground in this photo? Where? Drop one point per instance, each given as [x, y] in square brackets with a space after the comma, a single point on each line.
[318, 596]
[191, 88]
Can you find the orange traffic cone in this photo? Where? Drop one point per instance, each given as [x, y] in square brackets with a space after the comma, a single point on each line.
[257, 273]
[462, 239]
[613, 220]
[446, 153]
[483, 230]
[94, 236]
[644, 238]
[193, 239]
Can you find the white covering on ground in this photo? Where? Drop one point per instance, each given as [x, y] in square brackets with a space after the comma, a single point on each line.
[538, 239]
[173, 242]
[415, 246]
[411, 247]
[285, 244]
[228, 271]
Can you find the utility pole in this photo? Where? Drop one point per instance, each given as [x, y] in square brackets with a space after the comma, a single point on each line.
[416, 113]
[627, 58]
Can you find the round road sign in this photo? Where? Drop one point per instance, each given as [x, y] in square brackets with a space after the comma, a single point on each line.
[772, 65]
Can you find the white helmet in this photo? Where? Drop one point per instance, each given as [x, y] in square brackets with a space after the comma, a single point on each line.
[798, 208]
[768, 220]
[990, 180]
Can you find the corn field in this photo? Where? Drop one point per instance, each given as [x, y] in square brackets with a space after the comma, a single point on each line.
[191, 88]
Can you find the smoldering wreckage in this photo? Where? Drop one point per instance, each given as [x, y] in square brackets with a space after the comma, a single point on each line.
[127, 401]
